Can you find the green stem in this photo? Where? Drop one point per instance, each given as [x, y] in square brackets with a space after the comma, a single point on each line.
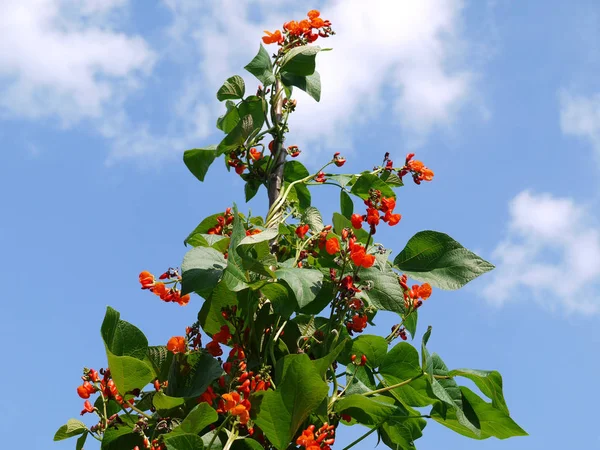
[368, 433]
[140, 412]
[217, 431]
[392, 387]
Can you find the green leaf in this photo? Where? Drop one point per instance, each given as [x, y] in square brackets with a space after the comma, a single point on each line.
[311, 84]
[359, 380]
[410, 322]
[252, 107]
[262, 67]
[400, 434]
[340, 222]
[233, 88]
[304, 283]
[493, 421]
[192, 373]
[235, 277]
[246, 444]
[202, 228]
[436, 258]
[300, 390]
[210, 316]
[373, 347]
[346, 204]
[197, 419]
[322, 364]
[161, 360]
[129, 373]
[488, 381]
[121, 436]
[280, 298]
[122, 338]
[251, 188]
[198, 160]
[300, 60]
[391, 178]
[185, 441]
[201, 270]
[73, 427]
[163, 402]
[385, 292]
[249, 241]
[369, 181]
[312, 217]
[294, 171]
[81, 442]
[448, 391]
[370, 410]
[230, 119]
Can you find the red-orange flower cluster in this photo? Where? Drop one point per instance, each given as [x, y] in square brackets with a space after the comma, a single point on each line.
[323, 439]
[221, 337]
[177, 344]
[302, 32]
[159, 288]
[414, 296]
[222, 227]
[376, 204]
[417, 169]
[234, 404]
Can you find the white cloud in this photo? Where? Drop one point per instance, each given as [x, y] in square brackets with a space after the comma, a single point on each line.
[551, 254]
[399, 60]
[580, 116]
[61, 58]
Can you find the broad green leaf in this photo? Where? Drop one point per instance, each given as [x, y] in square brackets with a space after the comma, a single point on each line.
[304, 283]
[192, 373]
[246, 444]
[233, 88]
[312, 217]
[294, 170]
[493, 421]
[448, 391]
[300, 390]
[161, 360]
[488, 381]
[311, 84]
[202, 228]
[370, 410]
[436, 258]
[129, 373]
[300, 60]
[186, 441]
[201, 270]
[359, 380]
[346, 204]
[73, 427]
[400, 434]
[81, 442]
[122, 436]
[343, 179]
[322, 364]
[122, 338]
[198, 160]
[280, 297]
[262, 67]
[373, 347]
[112, 407]
[322, 299]
[248, 241]
[251, 188]
[253, 107]
[391, 178]
[299, 196]
[235, 277]
[385, 293]
[197, 419]
[163, 402]
[210, 315]
[255, 252]
[368, 181]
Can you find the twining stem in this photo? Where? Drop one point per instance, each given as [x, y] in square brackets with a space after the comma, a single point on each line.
[393, 386]
[353, 443]
[276, 175]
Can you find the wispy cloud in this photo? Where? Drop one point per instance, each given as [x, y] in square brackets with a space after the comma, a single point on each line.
[551, 254]
[580, 116]
[62, 59]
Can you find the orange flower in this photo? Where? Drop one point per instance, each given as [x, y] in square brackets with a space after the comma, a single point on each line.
[332, 246]
[183, 299]
[160, 289]
[291, 27]
[425, 291]
[317, 22]
[237, 407]
[415, 165]
[360, 257]
[223, 336]
[273, 38]
[177, 344]
[313, 14]
[392, 219]
[388, 204]
[214, 348]
[372, 216]
[255, 154]
[427, 174]
[146, 280]
[356, 220]
[301, 231]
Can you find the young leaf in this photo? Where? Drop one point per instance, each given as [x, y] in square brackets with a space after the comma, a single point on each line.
[161, 360]
[233, 88]
[73, 427]
[262, 67]
[230, 119]
[300, 60]
[311, 84]
[436, 258]
[198, 160]
[312, 217]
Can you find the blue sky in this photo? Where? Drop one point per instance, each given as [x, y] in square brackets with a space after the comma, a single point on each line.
[99, 98]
